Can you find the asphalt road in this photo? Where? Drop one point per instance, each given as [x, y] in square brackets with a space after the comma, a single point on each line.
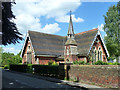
[14, 80]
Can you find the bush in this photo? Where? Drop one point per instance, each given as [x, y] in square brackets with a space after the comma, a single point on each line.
[19, 68]
[54, 63]
[29, 68]
[47, 70]
[116, 63]
[50, 62]
[82, 62]
[6, 66]
[100, 63]
[75, 62]
[79, 62]
[110, 63]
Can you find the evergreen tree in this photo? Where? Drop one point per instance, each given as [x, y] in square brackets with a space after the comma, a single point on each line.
[10, 34]
[112, 29]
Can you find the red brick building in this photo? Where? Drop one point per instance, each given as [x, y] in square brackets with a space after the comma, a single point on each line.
[40, 48]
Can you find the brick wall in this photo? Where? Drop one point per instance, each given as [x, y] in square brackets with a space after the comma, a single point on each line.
[24, 58]
[45, 60]
[108, 75]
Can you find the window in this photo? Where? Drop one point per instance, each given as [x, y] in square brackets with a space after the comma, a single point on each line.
[67, 51]
[28, 47]
[101, 55]
[98, 55]
[95, 55]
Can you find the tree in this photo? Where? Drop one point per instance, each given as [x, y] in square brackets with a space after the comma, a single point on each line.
[112, 29]
[10, 58]
[7, 58]
[10, 34]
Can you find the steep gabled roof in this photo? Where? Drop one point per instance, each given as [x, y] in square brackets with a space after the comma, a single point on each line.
[84, 41]
[48, 44]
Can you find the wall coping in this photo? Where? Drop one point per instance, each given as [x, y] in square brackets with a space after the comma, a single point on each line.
[97, 66]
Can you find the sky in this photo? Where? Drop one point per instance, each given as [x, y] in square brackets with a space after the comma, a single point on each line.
[52, 16]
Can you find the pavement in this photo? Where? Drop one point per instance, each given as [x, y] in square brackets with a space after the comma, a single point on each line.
[62, 82]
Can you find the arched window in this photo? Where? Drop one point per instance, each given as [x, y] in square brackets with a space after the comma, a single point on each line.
[98, 55]
[101, 55]
[95, 55]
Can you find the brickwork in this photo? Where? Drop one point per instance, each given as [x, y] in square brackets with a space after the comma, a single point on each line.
[24, 59]
[100, 74]
[45, 60]
[98, 45]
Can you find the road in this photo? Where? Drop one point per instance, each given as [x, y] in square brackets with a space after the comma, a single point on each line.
[15, 80]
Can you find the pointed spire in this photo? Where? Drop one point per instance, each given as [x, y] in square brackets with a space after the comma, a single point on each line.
[70, 29]
[70, 34]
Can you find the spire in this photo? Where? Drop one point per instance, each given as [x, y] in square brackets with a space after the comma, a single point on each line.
[70, 29]
[70, 34]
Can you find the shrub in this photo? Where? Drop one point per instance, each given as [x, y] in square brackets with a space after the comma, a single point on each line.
[29, 68]
[110, 63]
[50, 62]
[6, 66]
[75, 62]
[54, 63]
[100, 63]
[116, 63]
[79, 62]
[82, 63]
[19, 68]
[88, 63]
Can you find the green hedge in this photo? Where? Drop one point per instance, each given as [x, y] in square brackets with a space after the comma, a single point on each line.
[47, 70]
[19, 68]
[44, 70]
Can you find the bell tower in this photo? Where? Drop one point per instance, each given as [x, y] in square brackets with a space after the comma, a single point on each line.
[70, 51]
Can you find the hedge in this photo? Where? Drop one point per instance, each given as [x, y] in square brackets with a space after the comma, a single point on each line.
[19, 68]
[43, 70]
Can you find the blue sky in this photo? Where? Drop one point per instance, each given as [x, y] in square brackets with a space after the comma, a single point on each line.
[52, 16]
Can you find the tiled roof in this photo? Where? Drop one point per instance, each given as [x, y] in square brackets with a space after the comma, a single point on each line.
[84, 40]
[48, 44]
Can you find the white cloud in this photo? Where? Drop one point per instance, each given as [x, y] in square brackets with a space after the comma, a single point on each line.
[100, 27]
[11, 50]
[28, 14]
[51, 28]
[66, 19]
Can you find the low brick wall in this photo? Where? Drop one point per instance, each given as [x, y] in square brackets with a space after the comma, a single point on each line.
[108, 75]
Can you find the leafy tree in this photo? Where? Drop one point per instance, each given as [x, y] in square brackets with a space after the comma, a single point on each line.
[10, 34]
[112, 29]
[7, 58]
[16, 59]
[10, 58]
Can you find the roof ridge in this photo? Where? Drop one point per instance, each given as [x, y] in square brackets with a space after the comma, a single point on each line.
[86, 31]
[45, 33]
